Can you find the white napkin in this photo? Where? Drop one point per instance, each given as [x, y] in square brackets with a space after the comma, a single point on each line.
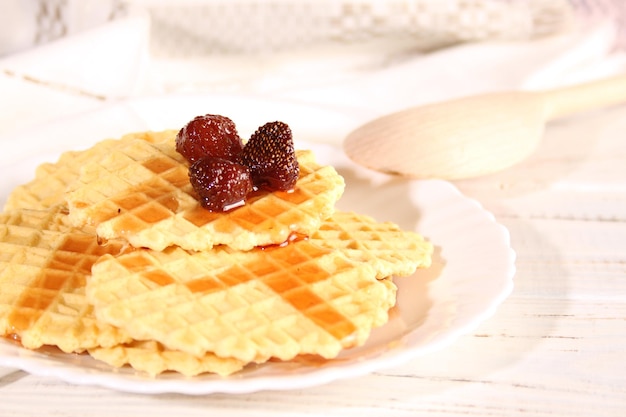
[103, 62]
[75, 73]
[336, 78]
[111, 62]
[474, 69]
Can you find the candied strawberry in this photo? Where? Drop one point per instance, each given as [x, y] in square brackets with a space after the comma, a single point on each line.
[271, 157]
[209, 135]
[219, 183]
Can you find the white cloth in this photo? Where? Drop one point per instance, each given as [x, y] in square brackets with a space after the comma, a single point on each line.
[112, 62]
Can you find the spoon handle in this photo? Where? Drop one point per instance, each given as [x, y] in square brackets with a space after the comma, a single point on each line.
[569, 100]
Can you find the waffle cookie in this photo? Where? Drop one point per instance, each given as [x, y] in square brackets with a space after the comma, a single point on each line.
[152, 358]
[141, 192]
[43, 270]
[359, 238]
[51, 180]
[51, 219]
[109, 251]
[276, 302]
[387, 248]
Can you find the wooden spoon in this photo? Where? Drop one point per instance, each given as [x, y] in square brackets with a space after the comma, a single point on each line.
[471, 136]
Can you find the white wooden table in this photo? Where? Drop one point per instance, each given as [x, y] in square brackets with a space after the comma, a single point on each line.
[556, 346]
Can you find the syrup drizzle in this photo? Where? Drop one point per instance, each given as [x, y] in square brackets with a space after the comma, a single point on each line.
[156, 200]
[289, 273]
[65, 271]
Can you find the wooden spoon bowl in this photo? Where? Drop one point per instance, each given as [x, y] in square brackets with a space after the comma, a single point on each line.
[471, 136]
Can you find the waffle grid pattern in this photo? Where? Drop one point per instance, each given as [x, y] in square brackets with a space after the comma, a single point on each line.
[148, 200]
[52, 219]
[47, 304]
[151, 357]
[389, 249]
[52, 180]
[269, 303]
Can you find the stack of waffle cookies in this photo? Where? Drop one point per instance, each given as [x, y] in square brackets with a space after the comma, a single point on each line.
[108, 252]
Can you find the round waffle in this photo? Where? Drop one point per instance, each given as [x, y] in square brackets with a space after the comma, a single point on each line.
[141, 192]
[52, 180]
[274, 302]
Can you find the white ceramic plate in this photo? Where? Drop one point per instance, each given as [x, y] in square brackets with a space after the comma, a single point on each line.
[471, 275]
